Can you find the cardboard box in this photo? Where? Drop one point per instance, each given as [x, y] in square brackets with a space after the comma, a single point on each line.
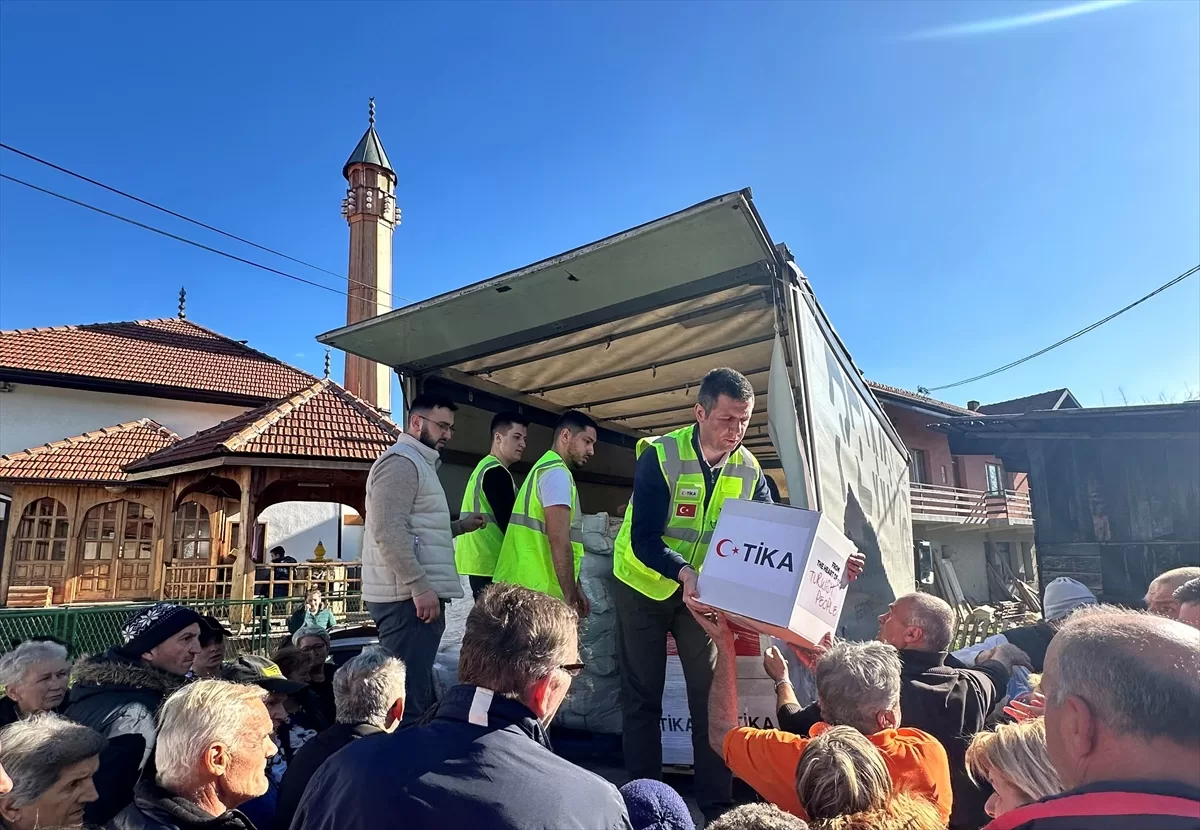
[781, 569]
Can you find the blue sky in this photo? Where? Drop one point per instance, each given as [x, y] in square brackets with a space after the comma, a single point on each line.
[958, 196]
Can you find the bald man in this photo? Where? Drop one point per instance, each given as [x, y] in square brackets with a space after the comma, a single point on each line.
[1160, 596]
[1122, 725]
[949, 701]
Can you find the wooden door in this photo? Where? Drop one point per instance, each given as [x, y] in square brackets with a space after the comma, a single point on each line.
[116, 552]
[135, 557]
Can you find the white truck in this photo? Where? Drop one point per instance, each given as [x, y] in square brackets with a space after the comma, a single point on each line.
[624, 329]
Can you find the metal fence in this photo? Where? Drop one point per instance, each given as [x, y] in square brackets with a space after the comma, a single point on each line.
[258, 625]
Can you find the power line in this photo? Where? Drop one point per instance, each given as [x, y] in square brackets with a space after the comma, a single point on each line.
[196, 222]
[170, 235]
[1068, 338]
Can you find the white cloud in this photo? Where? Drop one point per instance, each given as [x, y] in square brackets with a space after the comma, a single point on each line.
[1018, 21]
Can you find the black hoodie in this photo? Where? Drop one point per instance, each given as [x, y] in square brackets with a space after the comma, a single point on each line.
[119, 698]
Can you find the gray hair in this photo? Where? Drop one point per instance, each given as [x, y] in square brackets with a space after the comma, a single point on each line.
[16, 663]
[857, 681]
[934, 616]
[1136, 671]
[724, 381]
[757, 817]
[1188, 592]
[366, 688]
[194, 718]
[1175, 577]
[310, 631]
[36, 750]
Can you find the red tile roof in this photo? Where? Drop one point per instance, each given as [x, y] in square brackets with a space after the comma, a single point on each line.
[322, 421]
[1033, 403]
[169, 353]
[923, 400]
[97, 456]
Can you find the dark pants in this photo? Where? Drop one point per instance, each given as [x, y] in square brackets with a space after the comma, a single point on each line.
[478, 583]
[643, 624]
[405, 636]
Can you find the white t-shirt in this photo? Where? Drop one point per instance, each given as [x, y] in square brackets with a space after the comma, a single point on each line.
[554, 487]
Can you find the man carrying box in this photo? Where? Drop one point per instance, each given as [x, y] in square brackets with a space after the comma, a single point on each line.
[543, 544]
[680, 482]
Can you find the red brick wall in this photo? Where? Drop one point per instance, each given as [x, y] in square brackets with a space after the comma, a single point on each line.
[916, 435]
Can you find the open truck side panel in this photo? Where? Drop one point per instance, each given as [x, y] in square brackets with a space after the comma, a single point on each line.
[624, 329]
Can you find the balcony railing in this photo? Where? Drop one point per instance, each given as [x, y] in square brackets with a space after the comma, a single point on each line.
[938, 503]
[185, 581]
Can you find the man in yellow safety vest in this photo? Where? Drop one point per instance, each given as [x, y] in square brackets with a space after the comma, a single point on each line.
[544, 541]
[491, 491]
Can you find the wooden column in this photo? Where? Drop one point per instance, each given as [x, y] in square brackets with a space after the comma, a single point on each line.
[243, 569]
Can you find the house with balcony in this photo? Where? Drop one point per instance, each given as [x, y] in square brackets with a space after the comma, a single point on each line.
[972, 512]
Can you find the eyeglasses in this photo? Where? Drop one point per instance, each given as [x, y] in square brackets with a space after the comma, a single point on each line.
[442, 425]
[574, 669]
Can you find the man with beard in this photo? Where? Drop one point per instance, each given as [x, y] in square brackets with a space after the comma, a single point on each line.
[543, 544]
[408, 572]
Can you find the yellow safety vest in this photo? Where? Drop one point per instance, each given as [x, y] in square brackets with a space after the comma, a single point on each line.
[525, 557]
[690, 526]
[475, 553]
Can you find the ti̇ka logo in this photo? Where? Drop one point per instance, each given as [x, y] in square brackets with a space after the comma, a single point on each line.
[763, 554]
[688, 509]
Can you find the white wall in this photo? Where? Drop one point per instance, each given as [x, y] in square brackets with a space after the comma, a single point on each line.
[298, 526]
[34, 415]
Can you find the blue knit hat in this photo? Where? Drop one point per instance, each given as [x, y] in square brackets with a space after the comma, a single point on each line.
[653, 805]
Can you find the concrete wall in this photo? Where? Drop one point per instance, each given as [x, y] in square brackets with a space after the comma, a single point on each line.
[967, 549]
[34, 415]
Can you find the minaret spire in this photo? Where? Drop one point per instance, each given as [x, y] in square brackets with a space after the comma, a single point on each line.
[371, 211]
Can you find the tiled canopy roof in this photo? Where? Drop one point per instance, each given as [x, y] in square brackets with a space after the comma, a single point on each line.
[322, 421]
[97, 456]
[169, 352]
[923, 400]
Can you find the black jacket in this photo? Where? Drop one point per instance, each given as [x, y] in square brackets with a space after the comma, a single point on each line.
[119, 698]
[308, 760]
[951, 703]
[10, 714]
[481, 763]
[1033, 640]
[154, 808]
[1110, 805]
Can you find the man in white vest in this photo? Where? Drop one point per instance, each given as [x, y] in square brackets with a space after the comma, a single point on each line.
[408, 572]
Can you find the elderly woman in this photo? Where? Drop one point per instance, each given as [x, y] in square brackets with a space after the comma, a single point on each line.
[314, 641]
[1014, 761]
[34, 676]
[51, 761]
[844, 784]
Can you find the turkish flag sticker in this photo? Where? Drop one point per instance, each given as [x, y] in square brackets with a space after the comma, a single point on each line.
[686, 511]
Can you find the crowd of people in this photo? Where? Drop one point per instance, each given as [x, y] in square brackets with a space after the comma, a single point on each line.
[1089, 718]
[1109, 739]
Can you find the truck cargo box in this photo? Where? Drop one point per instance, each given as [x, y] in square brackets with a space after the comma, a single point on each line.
[624, 329]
